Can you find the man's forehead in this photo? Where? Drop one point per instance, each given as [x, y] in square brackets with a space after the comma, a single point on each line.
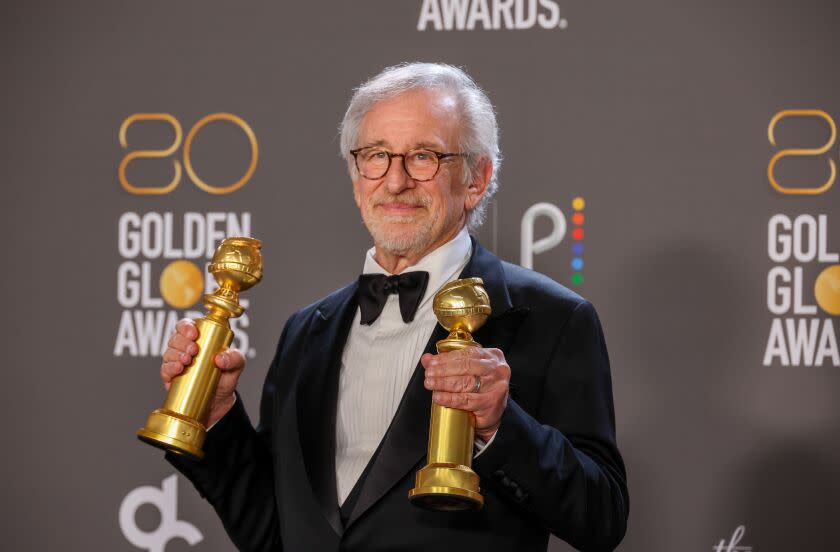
[426, 118]
[417, 144]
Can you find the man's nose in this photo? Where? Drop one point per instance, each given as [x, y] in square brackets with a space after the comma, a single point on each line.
[397, 179]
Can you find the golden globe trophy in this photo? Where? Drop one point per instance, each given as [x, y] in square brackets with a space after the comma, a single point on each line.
[179, 425]
[448, 482]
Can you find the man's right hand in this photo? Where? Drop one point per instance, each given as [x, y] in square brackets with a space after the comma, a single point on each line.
[179, 354]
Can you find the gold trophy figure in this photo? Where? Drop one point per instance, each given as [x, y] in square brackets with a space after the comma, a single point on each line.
[179, 426]
[448, 482]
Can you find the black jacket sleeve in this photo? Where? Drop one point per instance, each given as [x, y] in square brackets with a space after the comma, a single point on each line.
[559, 462]
[236, 473]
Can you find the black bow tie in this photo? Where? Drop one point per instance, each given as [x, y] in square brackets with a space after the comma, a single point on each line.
[374, 290]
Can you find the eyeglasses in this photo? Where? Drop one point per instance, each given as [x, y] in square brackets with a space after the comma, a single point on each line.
[420, 164]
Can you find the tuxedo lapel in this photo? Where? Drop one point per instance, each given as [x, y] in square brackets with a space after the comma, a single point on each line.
[318, 396]
[406, 442]
[505, 319]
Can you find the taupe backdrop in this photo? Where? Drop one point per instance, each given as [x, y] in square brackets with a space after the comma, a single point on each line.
[656, 113]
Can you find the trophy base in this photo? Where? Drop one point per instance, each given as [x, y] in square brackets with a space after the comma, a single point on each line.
[446, 487]
[174, 432]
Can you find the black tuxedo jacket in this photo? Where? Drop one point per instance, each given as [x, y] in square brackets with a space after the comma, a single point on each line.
[552, 468]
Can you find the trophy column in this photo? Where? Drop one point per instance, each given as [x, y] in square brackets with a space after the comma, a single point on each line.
[448, 482]
[179, 425]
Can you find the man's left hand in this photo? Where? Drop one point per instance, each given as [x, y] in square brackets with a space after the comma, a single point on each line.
[472, 379]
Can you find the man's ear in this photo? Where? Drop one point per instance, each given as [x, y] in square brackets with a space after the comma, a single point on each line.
[354, 178]
[477, 186]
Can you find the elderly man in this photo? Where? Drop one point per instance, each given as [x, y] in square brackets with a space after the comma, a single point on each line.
[344, 416]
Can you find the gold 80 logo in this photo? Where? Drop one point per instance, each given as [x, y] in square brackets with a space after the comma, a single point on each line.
[187, 161]
[801, 152]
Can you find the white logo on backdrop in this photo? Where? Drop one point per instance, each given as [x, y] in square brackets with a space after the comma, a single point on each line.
[529, 247]
[162, 275]
[801, 335]
[166, 501]
[468, 15]
[733, 545]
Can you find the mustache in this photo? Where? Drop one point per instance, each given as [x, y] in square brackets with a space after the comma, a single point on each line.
[406, 198]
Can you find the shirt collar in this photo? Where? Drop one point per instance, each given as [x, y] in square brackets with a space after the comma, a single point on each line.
[443, 264]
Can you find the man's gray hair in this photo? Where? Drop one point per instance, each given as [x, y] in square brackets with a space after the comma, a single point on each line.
[479, 130]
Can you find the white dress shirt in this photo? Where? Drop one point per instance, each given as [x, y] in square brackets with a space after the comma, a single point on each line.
[379, 359]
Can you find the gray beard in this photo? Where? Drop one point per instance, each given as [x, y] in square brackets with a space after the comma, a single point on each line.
[402, 244]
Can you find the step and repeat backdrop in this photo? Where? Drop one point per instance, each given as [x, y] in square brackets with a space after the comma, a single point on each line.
[673, 162]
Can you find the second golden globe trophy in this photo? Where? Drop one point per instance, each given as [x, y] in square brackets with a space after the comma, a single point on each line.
[179, 425]
[448, 482]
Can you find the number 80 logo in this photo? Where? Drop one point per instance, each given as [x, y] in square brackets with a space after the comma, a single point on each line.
[800, 152]
[176, 179]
